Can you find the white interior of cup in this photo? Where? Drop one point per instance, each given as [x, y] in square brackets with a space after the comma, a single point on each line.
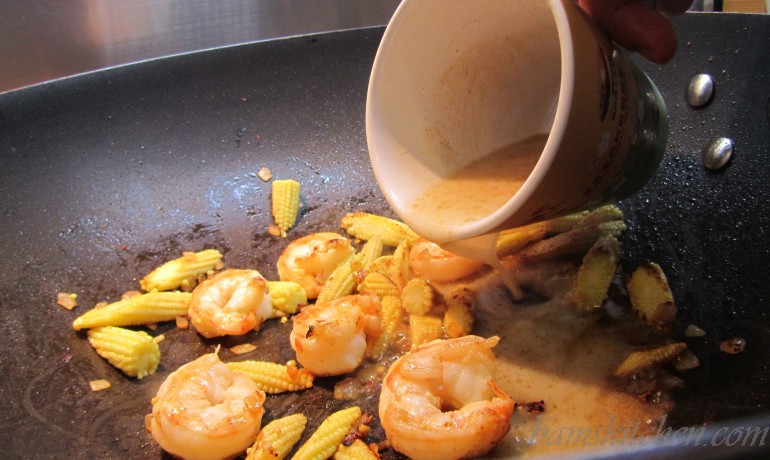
[454, 80]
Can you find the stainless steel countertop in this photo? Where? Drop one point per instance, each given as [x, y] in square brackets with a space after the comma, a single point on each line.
[45, 40]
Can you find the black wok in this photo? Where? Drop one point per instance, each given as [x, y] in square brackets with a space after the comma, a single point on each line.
[106, 175]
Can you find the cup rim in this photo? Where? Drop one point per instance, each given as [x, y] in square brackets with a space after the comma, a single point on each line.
[446, 233]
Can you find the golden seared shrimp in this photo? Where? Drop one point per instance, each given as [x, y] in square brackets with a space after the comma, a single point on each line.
[311, 259]
[204, 410]
[330, 338]
[440, 400]
[435, 264]
[232, 302]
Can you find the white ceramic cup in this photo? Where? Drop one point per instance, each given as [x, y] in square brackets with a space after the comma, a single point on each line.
[454, 80]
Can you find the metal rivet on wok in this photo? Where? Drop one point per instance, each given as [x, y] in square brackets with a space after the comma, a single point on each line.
[700, 90]
[718, 153]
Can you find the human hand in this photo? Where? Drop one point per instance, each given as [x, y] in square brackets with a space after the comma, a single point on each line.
[638, 25]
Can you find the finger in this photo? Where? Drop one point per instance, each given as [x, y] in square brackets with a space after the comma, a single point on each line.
[635, 27]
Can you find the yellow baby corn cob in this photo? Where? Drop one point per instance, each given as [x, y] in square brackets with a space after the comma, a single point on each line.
[400, 271]
[391, 319]
[651, 295]
[287, 296]
[605, 213]
[574, 242]
[174, 273]
[358, 450]
[276, 439]
[378, 284]
[381, 265]
[423, 329]
[365, 226]
[273, 378]
[640, 360]
[342, 281]
[285, 204]
[417, 297]
[133, 352]
[511, 241]
[613, 228]
[460, 313]
[325, 440]
[152, 307]
[563, 223]
[595, 274]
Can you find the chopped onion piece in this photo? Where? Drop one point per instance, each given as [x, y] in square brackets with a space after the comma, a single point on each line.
[130, 295]
[274, 230]
[159, 338]
[243, 348]
[694, 331]
[187, 284]
[67, 300]
[685, 361]
[182, 322]
[99, 385]
[265, 174]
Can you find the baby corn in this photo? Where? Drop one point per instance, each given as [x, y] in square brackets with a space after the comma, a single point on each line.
[365, 226]
[175, 273]
[133, 352]
[423, 329]
[277, 438]
[651, 295]
[595, 274]
[325, 440]
[600, 215]
[357, 450]
[285, 204]
[400, 271]
[512, 241]
[640, 360]
[378, 284]
[287, 296]
[461, 312]
[417, 297]
[391, 318]
[152, 307]
[342, 281]
[381, 265]
[574, 242]
[273, 378]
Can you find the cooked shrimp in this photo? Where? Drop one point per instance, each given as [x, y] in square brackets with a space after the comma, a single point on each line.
[440, 401]
[330, 338]
[435, 264]
[204, 410]
[232, 302]
[311, 259]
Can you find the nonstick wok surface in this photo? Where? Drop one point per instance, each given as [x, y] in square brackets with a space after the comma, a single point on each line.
[104, 176]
